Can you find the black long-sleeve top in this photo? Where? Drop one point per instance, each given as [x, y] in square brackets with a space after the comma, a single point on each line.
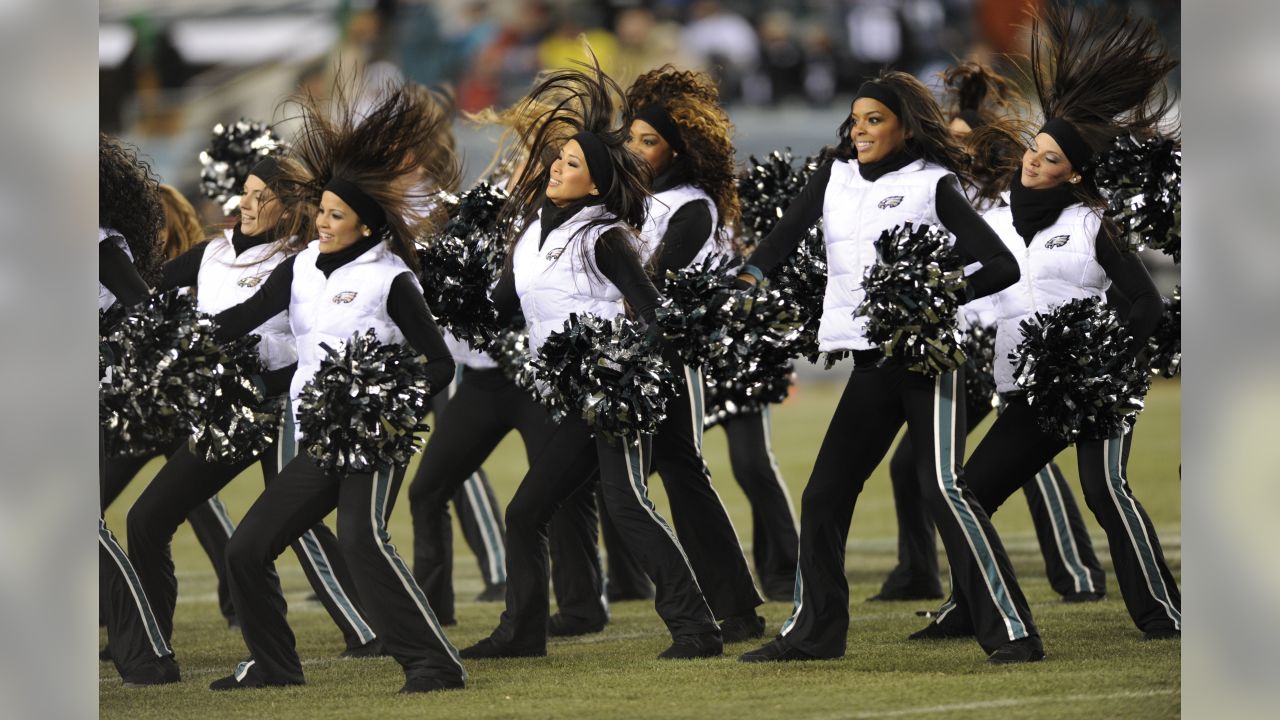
[405, 304]
[614, 255]
[118, 274]
[1139, 299]
[975, 240]
[687, 232]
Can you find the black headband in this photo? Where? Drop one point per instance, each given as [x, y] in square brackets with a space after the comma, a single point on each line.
[370, 212]
[598, 163]
[267, 170]
[1074, 146]
[883, 93]
[660, 119]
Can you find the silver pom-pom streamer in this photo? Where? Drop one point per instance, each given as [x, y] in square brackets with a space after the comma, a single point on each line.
[696, 310]
[1141, 182]
[757, 370]
[912, 295]
[980, 363]
[1078, 374]
[765, 190]
[462, 263]
[364, 407]
[608, 373]
[510, 350]
[172, 375]
[232, 153]
[1164, 349]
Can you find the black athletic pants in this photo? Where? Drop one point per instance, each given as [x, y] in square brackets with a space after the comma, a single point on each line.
[186, 482]
[1016, 446]
[564, 464]
[298, 499]
[1069, 559]
[774, 539]
[133, 634]
[874, 405]
[209, 521]
[701, 521]
[486, 407]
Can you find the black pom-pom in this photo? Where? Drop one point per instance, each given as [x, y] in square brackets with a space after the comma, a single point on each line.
[607, 372]
[697, 306]
[912, 295]
[364, 406]
[980, 363]
[1165, 345]
[757, 369]
[1078, 375]
[180, 379]
[510, 350]
[1141, 181]
[462, 263]
[765, 189]
[232, 153]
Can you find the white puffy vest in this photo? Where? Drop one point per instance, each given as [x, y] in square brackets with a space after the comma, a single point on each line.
[659, 209]
[329, 309]
[553, 281]
[464, 354]
[105, 297]
[854, 212]
[1060, 265]
[226, 280]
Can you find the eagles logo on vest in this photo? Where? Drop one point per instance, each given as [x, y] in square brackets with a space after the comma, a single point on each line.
[890, 202]
[345, 297]
[1057, 241]
[250, 281]
[555, 253]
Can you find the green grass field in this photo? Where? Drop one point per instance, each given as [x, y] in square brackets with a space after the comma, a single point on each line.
[1097, 666]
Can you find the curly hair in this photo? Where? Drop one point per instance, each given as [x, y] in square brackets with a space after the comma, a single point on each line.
[129, 203]
[929, 136]
[564, 103]
[182, 226]
[693, 102]
[375, 152]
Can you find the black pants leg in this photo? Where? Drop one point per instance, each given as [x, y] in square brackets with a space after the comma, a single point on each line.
[466, 433]
[702, 523]
[185, 482]
[1069, 559]
[1147, 584]
[626, 579]
[396, 606]
[577, 570]
[321, 558]
[775, 541]
[133, 633]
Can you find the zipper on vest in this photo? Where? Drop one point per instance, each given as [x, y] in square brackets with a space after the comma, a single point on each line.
[1031, 286]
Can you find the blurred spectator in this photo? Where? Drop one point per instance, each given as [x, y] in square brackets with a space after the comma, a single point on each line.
[782, 62]
[875, 35]
[644, 43]
[423, 55]
[821, 67]
[726, 44]
[504, 68]
[564, 46]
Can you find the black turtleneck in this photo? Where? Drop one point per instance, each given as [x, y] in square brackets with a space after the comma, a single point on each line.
[615, 256]
[405, 304]
[975, 240]
[873, 171]
[183, 270]
[1035, 210]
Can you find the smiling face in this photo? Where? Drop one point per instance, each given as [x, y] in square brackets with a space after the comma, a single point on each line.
[649, 144]
[338, 225]
[570, 179]
[876, 132]
[259, 208]
[1045, 166]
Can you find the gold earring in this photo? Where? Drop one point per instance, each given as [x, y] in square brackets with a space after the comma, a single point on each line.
[1075, 180]
[594, 191]
[367, 232]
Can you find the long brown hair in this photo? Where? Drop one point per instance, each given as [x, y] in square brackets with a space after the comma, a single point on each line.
[182, 226]
[373, 151]
[693, 102]
[575, 100]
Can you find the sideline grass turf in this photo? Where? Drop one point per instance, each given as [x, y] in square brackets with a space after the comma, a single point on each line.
[1097, 666]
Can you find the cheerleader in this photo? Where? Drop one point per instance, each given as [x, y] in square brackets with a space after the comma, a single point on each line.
[1073, 569]
[129, 220]
[682, 134]
[573, 251]
[225, 271]
[896, 162]
[209, 522]
[358, 275]
[1066, 251]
